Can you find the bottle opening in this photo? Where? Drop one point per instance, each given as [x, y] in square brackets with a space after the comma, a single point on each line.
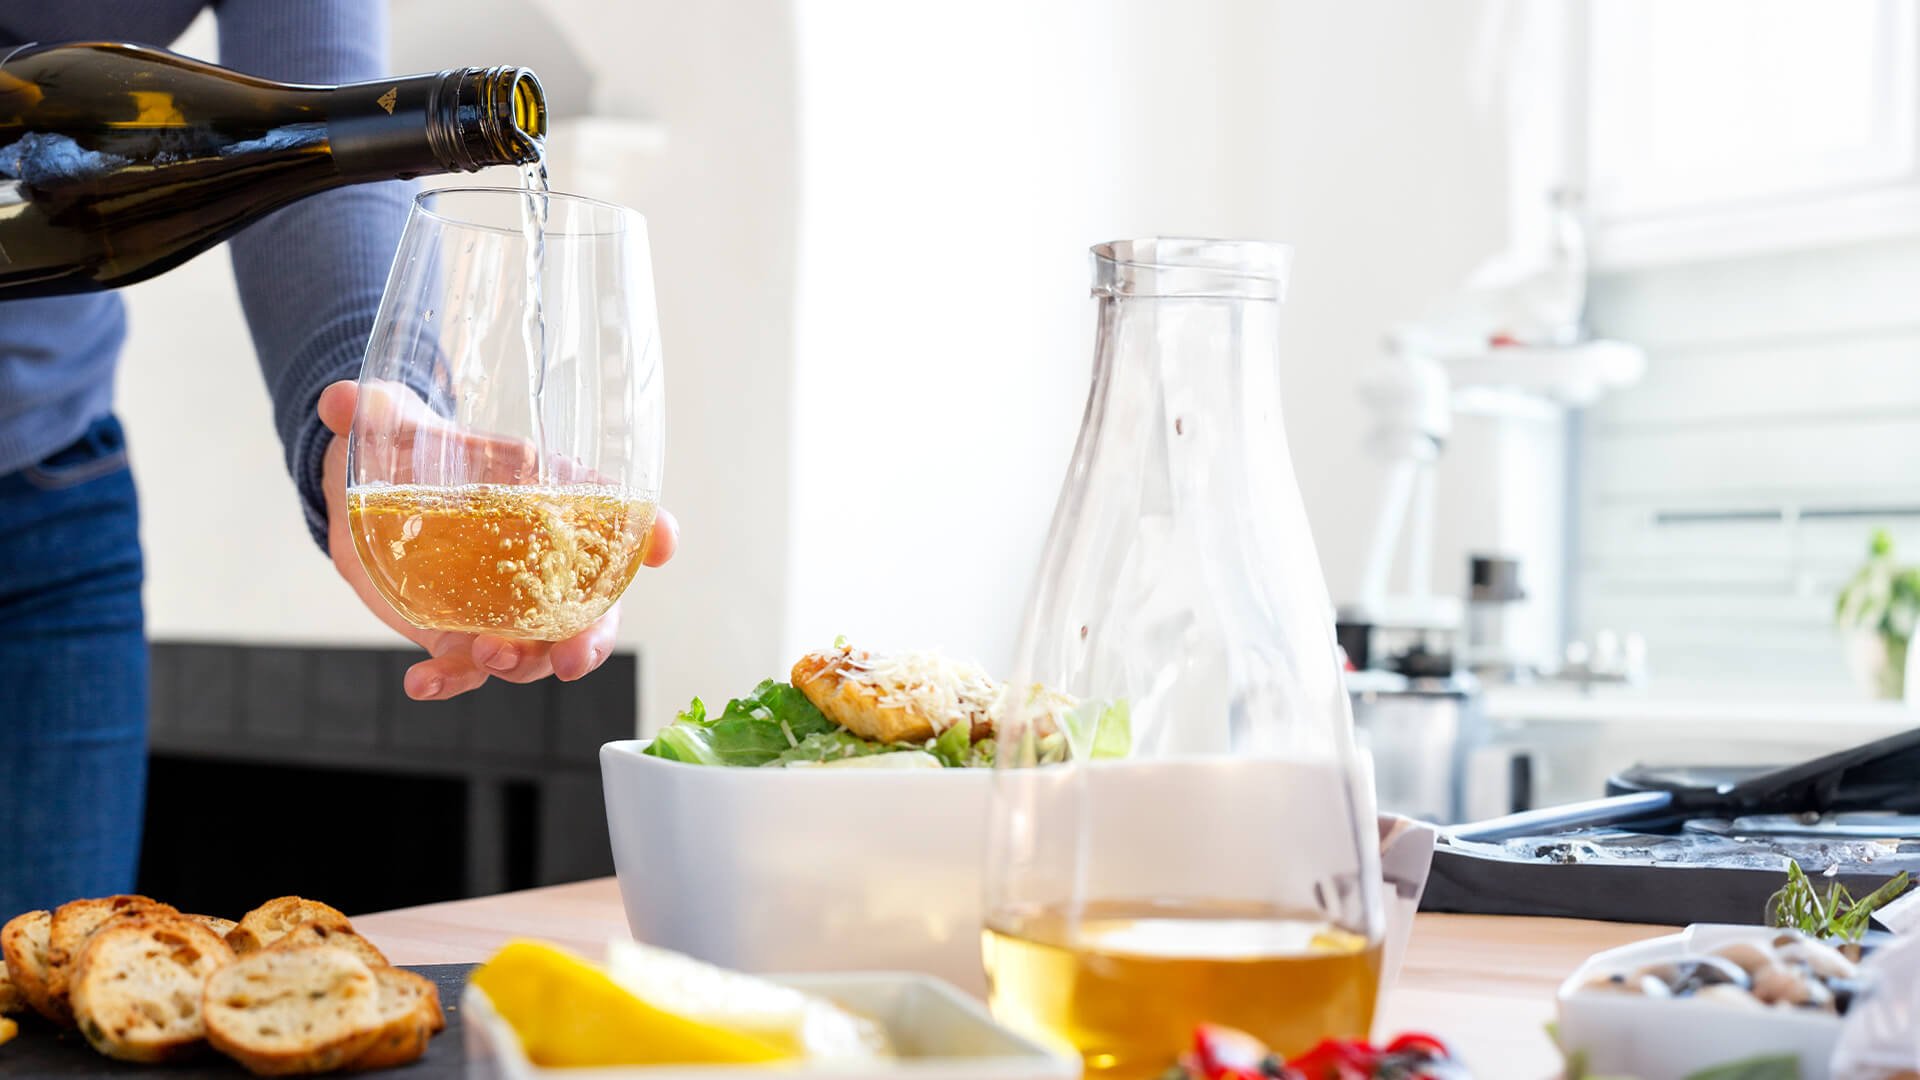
[1191, 267]
[487, 116]
[529, 106]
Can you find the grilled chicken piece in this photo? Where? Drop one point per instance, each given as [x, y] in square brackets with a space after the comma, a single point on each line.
[907, 698]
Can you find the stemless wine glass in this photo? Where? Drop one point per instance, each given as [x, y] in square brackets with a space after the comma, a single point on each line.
[506, 450]
[1180, 831]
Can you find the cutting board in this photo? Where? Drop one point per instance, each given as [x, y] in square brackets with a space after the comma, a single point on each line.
[43, 1050]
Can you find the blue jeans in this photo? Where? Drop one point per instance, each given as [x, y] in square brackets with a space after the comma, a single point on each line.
[73, 676]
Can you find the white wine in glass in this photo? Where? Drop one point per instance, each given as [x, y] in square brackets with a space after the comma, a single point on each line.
[503, 481]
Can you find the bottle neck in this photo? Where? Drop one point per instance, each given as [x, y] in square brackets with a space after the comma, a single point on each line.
[452, 121]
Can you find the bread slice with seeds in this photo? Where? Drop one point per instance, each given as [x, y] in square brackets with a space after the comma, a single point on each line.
[270, 921]
[280, 1012]
[337, 933]
[23, 944]
[138, 986]
[410, 1015]
[73, 923]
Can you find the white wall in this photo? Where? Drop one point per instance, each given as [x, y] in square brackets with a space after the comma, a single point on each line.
[942, 358]
[867, 432]
[956, 169]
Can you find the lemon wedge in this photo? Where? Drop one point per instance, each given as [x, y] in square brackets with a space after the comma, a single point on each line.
[569, 1012]
[781, 1015]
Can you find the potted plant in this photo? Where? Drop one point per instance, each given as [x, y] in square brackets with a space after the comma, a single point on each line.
[1878, 609]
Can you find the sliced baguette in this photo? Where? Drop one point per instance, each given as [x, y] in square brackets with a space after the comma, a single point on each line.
[337, 933]
[280, 1012]
[139, 983]
[410, 1015]
[73, 923]
[23, 942]
[10, 999]
[270, 922]
[215, 923]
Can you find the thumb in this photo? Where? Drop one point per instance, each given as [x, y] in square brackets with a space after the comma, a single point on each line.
[336, 406]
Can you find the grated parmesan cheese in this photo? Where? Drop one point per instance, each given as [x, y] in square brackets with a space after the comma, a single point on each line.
[944, 690]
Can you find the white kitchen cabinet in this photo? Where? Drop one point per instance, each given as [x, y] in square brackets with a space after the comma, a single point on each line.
[1724, 127]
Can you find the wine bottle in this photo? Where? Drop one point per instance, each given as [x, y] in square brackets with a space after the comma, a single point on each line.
[119, 161]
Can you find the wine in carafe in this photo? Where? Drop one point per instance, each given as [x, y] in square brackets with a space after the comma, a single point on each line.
[1125, 984]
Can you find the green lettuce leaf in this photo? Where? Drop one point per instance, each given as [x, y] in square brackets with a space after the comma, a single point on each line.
[690, 743]
[835, 746]
[981, 756]
[1051, 748]
[954, 746]
[1096, 731]
[1113, 735]
[750, 731]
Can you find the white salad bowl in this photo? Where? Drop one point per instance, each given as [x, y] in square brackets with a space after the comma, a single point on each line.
[1672, 1038]
[771, 870]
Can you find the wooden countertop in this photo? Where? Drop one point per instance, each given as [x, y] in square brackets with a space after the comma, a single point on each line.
[1484, 984]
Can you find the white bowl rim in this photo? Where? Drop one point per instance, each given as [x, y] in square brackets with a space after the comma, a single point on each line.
[631, 749]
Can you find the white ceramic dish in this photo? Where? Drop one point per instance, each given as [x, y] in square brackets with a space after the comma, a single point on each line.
[1671, 1038]
[766, 870]
[940, 1033]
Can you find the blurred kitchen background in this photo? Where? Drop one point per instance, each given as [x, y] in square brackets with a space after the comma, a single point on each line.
[1621, 299]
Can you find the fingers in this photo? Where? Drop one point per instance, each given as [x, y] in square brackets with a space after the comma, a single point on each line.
[450, 673]
[663, 540]
[496, 459]
[514, 661]
[336, 406]
[575, 657]
[417, 438]
[388, 406]
[462, 662]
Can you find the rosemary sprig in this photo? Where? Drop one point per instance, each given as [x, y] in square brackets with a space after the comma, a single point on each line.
[1799, 906]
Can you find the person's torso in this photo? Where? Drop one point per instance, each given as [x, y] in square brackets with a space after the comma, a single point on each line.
[57, 354]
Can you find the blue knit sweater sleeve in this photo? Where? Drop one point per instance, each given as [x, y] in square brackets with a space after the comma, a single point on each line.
[311, 275]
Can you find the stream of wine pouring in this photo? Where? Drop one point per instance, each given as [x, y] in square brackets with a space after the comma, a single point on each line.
[533, 223]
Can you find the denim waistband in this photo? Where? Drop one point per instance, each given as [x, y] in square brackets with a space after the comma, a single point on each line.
[103, 438]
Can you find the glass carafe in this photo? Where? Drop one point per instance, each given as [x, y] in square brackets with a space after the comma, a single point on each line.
[1180, 831]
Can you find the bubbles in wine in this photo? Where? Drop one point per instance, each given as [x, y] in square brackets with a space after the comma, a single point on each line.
[536, 561]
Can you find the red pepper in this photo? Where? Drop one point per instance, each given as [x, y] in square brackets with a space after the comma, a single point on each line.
[1224, 1053]
[1338, 1059]
[1414, 1041]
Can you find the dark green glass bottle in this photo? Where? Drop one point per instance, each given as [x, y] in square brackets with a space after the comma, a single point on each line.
[119, 162]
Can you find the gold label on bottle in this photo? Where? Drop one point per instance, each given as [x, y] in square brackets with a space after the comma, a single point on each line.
[387, 99]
